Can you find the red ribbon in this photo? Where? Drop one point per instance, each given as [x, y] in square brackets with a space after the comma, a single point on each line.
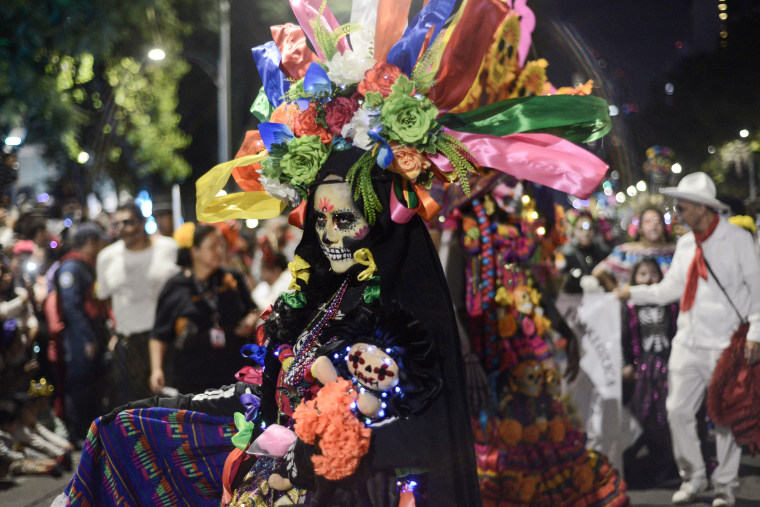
[298, 215]
[697, 268]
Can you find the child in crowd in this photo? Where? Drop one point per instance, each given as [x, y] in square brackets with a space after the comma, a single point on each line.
[647, 335]
[13, 461]
[39, 442]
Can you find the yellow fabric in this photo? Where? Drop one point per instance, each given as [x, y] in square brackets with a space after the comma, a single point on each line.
[299, 269]
[364, 257]
[212, 208]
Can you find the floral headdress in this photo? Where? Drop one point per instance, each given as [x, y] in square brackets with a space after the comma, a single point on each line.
[431, 104]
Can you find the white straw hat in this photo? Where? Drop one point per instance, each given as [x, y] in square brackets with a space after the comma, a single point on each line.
[696, 187]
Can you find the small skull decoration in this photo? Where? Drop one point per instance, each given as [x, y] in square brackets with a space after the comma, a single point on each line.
[372, 367]
[522, 299]
[553, 383]
[529, 376]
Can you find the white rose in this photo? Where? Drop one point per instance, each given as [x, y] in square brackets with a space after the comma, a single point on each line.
[349, 67]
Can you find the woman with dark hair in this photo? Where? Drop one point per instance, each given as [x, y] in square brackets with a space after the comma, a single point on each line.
[652, 240]
[204, 313]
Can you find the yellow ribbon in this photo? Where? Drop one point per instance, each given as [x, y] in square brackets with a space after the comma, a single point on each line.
[299, 270]
[210, 207]
[364, 257]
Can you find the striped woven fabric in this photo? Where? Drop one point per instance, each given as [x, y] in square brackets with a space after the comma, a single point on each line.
[153, 456]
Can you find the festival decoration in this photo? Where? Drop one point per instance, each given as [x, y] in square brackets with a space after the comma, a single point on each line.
[438, 104]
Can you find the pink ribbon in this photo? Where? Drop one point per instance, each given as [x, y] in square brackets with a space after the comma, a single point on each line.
[527, 24]
[249, 375]
[305, 11]
[400, 213]
[541, 158]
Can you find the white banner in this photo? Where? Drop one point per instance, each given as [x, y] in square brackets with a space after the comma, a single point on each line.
[597, 391]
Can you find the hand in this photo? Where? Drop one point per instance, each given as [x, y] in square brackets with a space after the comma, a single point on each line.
[157, 381]
[247, 326]
[280, 483]
[628, 372]
[623, 293]
[752, 352]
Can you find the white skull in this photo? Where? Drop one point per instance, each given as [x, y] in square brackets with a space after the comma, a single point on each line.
[530, 377]
[372, 367]
[340, 225]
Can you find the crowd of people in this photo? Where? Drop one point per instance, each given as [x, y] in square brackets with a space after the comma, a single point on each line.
[100, 313]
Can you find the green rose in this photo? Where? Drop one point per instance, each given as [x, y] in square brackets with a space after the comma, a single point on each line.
[409, 120]
[303, 160]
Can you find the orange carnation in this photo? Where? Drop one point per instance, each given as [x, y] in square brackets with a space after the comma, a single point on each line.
[407, 161]
[379, 79]
[306, 125]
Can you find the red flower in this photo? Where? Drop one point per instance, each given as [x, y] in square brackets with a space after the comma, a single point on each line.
[339, 111]
[379, 79]
[305, 124]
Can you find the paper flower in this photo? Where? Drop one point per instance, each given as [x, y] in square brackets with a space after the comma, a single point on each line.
[339, 112]
[279, 190]
[358, 128]
[409, 120]
[379, 79]
[303, 160]
[408, 162]
[349, 67]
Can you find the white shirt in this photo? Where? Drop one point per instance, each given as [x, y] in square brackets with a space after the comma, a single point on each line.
[133, 281]
[733, 257]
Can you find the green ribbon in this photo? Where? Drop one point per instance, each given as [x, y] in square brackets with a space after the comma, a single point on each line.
[261, 107]
[294, 299]
[372, 292]
[577, 118]
[245, 430]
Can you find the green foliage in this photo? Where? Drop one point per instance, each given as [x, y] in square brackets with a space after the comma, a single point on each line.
[74, 73]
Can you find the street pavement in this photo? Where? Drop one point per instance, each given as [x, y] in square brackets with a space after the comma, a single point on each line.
[33, 491]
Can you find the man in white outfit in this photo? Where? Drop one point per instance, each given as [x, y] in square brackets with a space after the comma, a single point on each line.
[131, 273]
[707, 320]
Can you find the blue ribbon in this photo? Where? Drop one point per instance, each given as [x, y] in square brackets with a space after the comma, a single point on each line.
[251, 402]
[405, 52]
[384, 155]
[274, 133]
[316, 82]
[267, 58]
[254, 352]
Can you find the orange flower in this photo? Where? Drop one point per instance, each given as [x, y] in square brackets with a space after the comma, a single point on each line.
[407, 161]
[328, 421]
[286, 114]
[507, 326]
[306, 125]
[556, 430]
[510, 431]
[379, 79]
[531, 434]
[583, 478]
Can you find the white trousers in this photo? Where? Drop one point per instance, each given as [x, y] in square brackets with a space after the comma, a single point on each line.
[689, 373]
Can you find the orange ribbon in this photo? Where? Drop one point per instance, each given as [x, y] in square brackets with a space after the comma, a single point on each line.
[391, 21]
[296, 55]
[298, 215]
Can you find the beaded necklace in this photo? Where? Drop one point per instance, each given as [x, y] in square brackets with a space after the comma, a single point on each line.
[309, 344]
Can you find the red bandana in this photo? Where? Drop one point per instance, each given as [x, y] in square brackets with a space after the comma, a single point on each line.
[697, 268]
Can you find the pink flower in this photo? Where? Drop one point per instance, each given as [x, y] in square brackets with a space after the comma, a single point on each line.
[339, 112]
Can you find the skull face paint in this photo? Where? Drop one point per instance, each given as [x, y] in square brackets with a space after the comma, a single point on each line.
[340, 225]
[372, 367]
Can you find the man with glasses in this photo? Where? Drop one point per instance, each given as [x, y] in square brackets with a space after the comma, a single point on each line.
[131, 272]
[713, 254]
